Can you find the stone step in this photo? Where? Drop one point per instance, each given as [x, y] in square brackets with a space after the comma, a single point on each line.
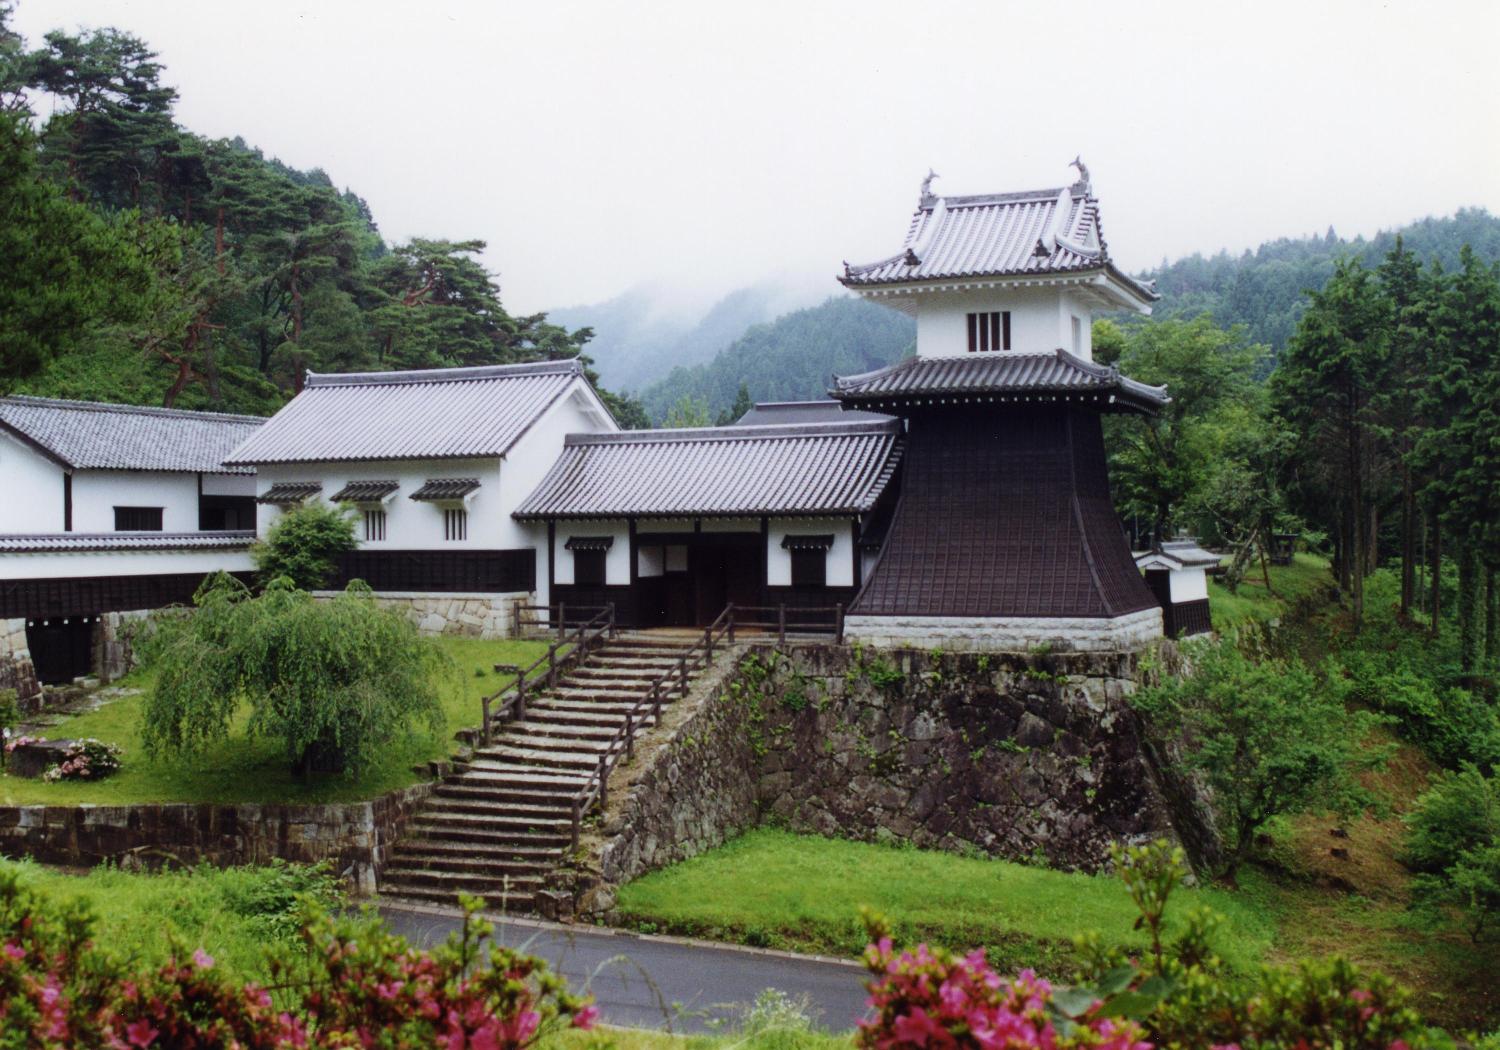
[411, 857]
[513, 893]
[564, 729]
[507, 851]
[498, 813]
[560, 760]
[462, 829]
[626, 697]
[520, 802]
[550, 707]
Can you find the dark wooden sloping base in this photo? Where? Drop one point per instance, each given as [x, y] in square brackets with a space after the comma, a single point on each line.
[1004, 512]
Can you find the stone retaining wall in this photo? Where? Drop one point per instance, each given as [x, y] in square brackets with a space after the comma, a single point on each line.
[355, 837]
[1023, 756]
[475, 615]
[16, 671]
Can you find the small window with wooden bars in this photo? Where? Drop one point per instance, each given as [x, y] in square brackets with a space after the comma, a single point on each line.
[455, 524]
[989, 331]
[374, 525]
[138, 519]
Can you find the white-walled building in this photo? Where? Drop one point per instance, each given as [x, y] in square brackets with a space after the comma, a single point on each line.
[434, 462]
[111, 510]
[1177, 573]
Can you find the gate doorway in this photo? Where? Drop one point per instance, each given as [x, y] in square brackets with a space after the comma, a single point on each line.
[726, 567]
[62, 648]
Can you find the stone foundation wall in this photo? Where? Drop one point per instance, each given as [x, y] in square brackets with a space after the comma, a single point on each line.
[16, 671]
[1023, 756]
[1010, 633]
[355, 837]
[475, 615]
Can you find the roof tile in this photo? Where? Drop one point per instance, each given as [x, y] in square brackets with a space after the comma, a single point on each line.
[91, 435]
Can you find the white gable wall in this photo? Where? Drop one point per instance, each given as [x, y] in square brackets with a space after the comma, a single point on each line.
[96, 494]
[1041, 319]
[33, 489]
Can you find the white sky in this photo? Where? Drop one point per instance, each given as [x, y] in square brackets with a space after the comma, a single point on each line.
[703, 146]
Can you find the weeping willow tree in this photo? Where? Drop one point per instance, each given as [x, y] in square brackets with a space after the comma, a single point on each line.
[336, 681]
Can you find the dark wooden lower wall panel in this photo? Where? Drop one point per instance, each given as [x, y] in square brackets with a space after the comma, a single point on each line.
[440, 572]
[1187, 618]
[44, 599]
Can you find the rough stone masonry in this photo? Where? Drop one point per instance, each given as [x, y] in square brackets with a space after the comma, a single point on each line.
[1034, 757]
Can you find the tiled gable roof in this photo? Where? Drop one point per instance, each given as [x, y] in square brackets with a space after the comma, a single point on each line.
[91, 435]
[834, 468]
[1040, 232]
[443, 413]
[1004, 375]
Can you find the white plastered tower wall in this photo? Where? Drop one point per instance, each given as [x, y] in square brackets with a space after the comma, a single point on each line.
[1041, 318]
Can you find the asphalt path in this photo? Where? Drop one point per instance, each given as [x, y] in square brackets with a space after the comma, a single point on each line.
[661, 982]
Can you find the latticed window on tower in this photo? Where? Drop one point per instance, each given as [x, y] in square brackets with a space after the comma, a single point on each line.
[989, 331]
[374, 525]
[455, 524]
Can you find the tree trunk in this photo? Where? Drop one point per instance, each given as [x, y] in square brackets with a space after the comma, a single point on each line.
[1408, 542]
[1436, 583]
[1468, 608]
[219, 240]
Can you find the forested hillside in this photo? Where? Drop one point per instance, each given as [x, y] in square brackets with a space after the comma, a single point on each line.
[789, 359]
[1265, 290]
[146, 263]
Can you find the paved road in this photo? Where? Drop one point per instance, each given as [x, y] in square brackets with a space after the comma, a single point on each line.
[661, 982]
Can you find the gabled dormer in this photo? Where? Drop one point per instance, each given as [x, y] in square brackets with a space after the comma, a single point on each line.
[1003, 272]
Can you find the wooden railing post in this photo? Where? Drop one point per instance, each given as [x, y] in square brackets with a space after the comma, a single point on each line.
[629, 738]
[485, 731]
[708, 645]
[520, 698]
[838, 624]
[552, 666]
[781, 624]
[731, 622]
[656, 700]
[682, 674]
[562, 619]
[577, 819]
[603, 783]
[612, 631]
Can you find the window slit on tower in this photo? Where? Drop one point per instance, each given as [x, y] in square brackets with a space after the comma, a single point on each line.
[989, 331]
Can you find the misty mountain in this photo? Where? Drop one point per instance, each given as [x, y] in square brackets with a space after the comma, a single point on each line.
[639, 338]
[791, 358]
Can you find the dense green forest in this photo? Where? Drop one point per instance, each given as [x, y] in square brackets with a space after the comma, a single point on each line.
[146, 263]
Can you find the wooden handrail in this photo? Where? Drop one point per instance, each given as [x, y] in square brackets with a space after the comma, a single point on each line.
[579, 643]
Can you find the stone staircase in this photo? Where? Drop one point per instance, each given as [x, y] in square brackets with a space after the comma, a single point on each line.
[499, 822]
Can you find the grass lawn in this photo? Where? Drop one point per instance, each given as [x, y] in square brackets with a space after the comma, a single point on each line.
[233, 914]
[1307, 574]
[803, 892]
[241, 769]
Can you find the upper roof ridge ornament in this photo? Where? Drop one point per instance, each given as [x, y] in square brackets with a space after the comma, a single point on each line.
[928, 198]
[1083, 184]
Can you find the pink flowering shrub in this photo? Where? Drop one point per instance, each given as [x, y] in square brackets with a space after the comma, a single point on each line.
[86, 759]
[354, 984]
[929, 998]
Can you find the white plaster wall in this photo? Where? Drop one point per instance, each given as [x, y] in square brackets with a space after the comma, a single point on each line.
[1188, 585]
[229, 484]
[1040, 320]
[409, 524]
[616, 559]
[840, 555]
[32, 486]
[120, 563]
[96, 494]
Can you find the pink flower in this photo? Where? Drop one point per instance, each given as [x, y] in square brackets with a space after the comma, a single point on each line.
[140, 1033]
[203, 960]
[15, 951]
[586, 1017]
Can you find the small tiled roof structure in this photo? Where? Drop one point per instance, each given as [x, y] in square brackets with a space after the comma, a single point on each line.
[441, 490]
[285, 493]
[782, 413]
[442, 413]
[1036, 233]
[1009, 376]
[92, 435]
[1177, 554]
[729, 472]
[365, 491]
[83, 542]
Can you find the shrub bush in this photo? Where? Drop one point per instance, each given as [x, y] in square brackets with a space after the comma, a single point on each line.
[304, 545]
[1454, 843]
[1271, 737]
[336, 680]
[87, 759]
[352, 984]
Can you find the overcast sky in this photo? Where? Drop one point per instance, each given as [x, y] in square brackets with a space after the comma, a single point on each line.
[702, 146]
